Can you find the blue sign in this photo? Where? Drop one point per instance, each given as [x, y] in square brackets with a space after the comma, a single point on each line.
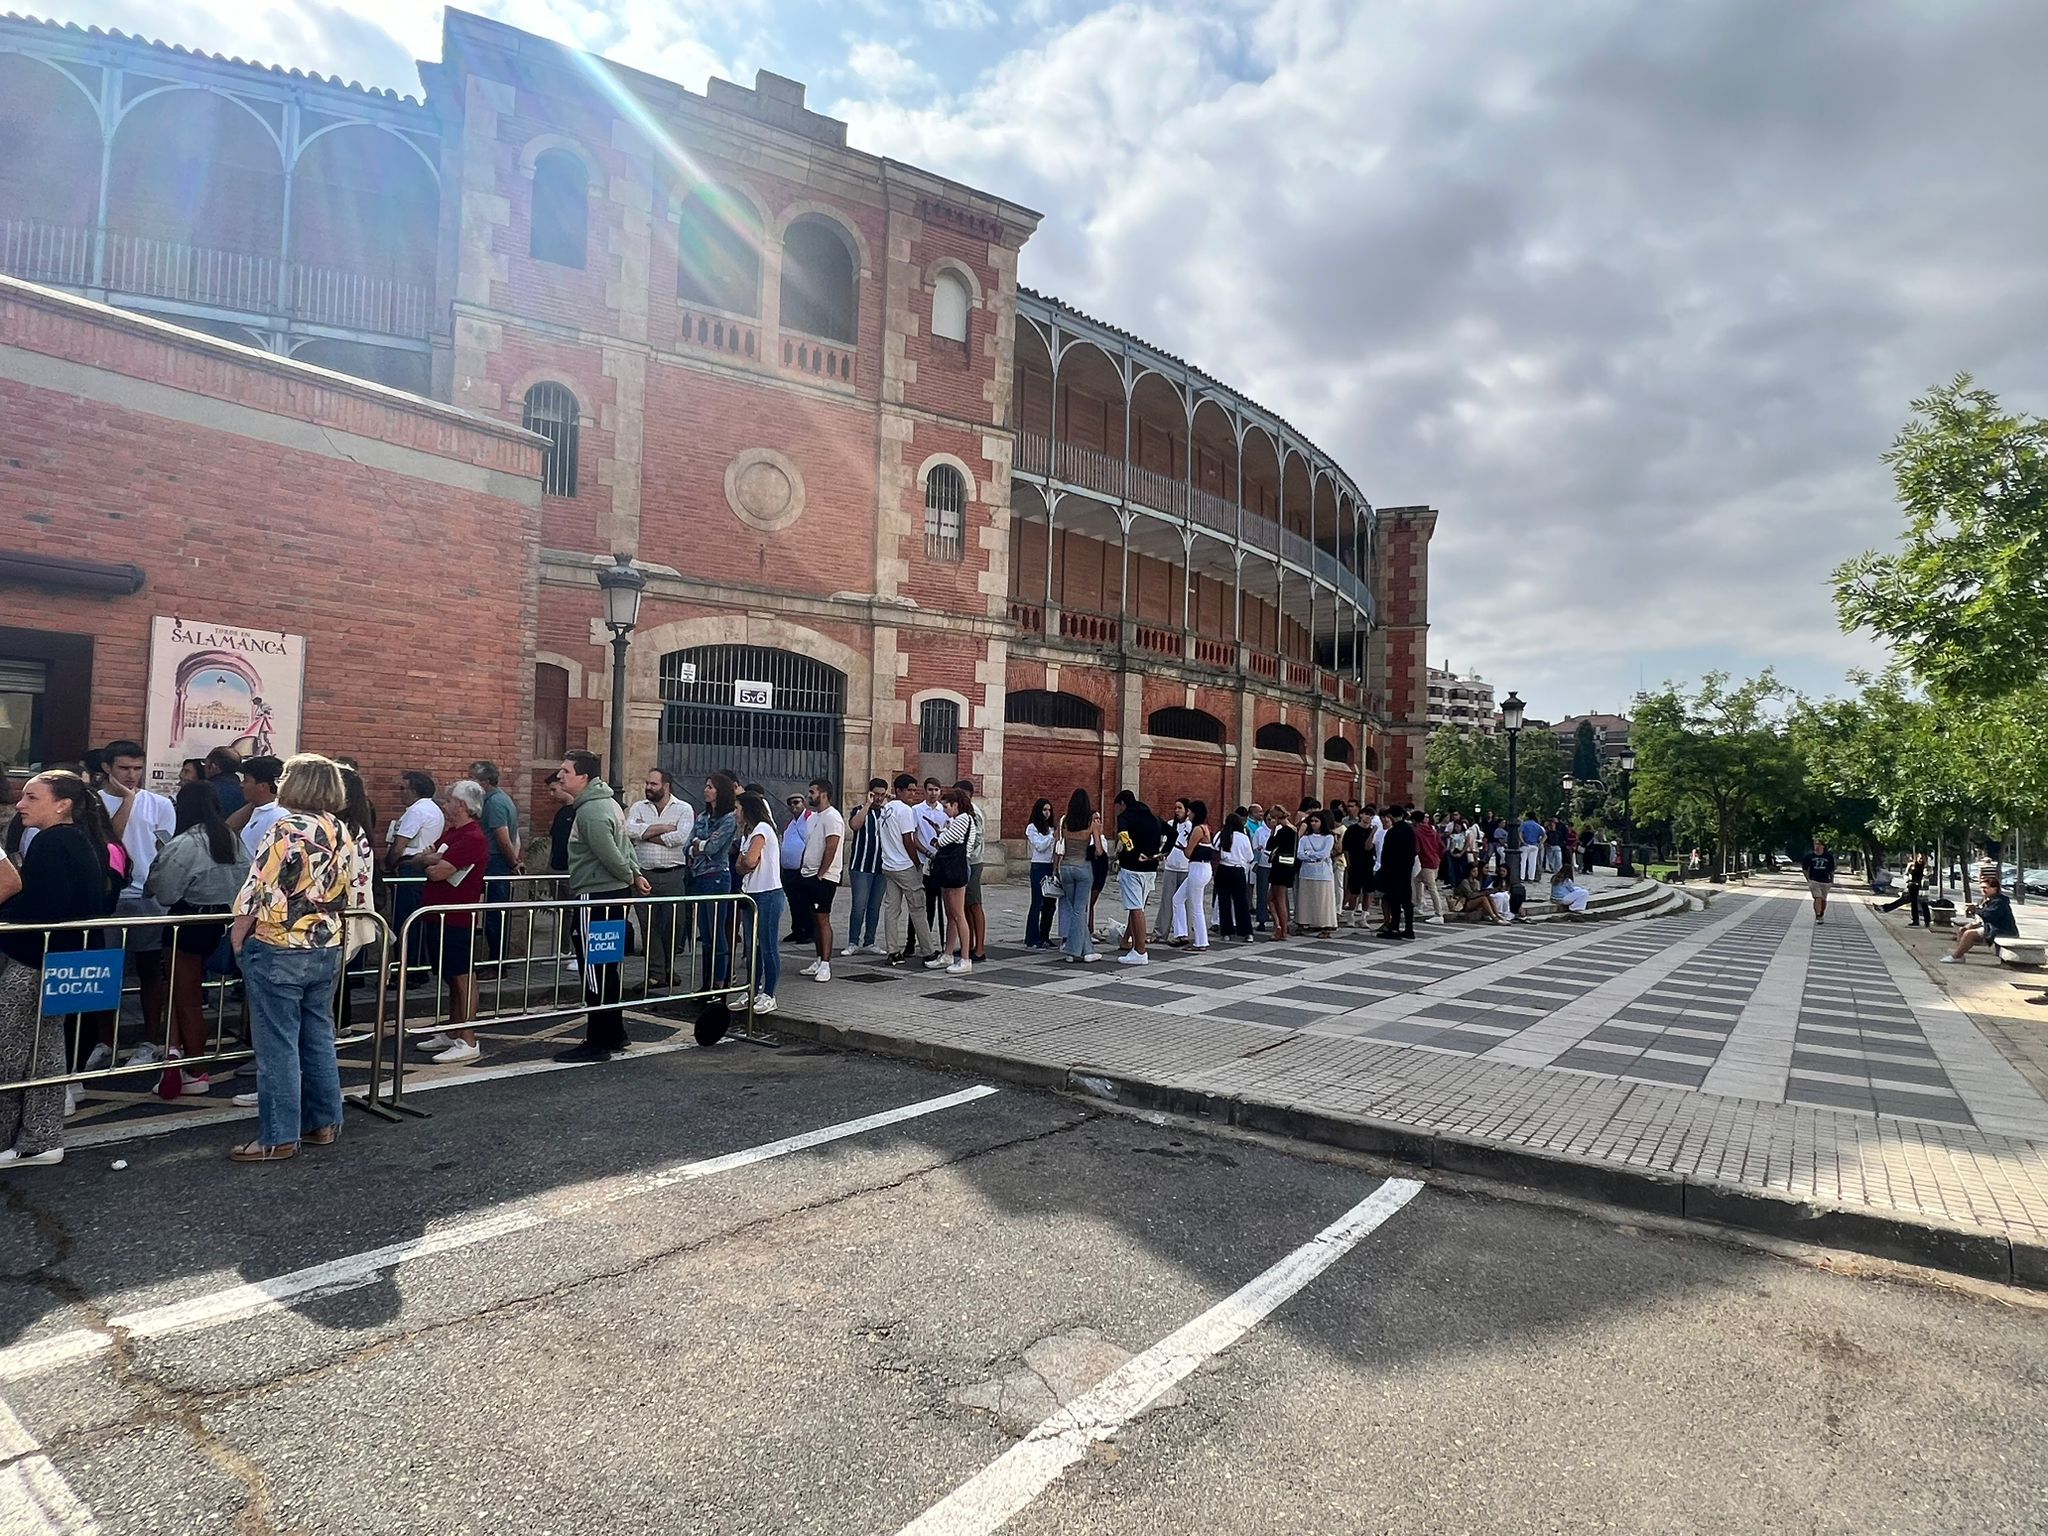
[604, 944]
[88, 981]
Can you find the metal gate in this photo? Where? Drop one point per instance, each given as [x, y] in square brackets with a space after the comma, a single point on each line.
[704, 730]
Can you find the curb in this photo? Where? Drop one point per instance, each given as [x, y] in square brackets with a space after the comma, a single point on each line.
[1976, 1252]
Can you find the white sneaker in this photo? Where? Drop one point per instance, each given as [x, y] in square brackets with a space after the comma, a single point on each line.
[1951, 959]
[434, 1044]
[959, 967]
[1091, 957]
[853, 949]
[765, 1003]
[13, 1159]
[70, 1100]
[457, 1053]
[145, 1055]
[193, 1085]
[245, 1101]
[101, 1058]
[938, 963]
[822, 973]
[812, 968]
[1133, 958]
[571, 964]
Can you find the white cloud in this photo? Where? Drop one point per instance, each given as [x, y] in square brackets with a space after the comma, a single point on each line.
[968, 15]
[883, 69]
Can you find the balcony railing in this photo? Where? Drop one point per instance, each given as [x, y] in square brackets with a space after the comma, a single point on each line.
[721, 333]
[1104, 474]
[248, 282]
[1029, 617]
[1089, 628]
[814, 358]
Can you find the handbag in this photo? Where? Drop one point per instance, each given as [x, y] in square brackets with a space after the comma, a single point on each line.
[1049, 887]
[949, 866]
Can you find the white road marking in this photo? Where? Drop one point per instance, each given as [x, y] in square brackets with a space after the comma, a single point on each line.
[34, 1498]
[240, 1301]
[1000, 1490]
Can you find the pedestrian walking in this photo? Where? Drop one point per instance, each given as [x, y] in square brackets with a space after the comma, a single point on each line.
[1819, 865]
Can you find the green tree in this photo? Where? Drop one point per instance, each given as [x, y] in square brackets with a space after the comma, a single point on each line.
[1715, 759]
[1585, 752]
[1467, 769]
[1541, 764]
[1964, 602]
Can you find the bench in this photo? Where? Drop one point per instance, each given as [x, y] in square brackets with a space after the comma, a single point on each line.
[2022, 950]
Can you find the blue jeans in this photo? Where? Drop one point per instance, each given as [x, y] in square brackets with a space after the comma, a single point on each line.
[714, 930]
[867, 908]
[768, 952]
[494, 922]
[1038, 921]
[1076, 880]
[291, 1010]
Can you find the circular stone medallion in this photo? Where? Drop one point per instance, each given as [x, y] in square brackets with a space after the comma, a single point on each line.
[764, 489]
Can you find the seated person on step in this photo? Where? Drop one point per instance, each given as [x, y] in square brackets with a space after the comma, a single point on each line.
[1568, 893]
[1994, 919]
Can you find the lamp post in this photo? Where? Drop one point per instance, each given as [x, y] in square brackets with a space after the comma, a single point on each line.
[1625, 866]
[622, 586]
[1511, 709]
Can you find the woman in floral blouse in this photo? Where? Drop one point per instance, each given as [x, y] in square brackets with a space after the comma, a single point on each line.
[290, 925]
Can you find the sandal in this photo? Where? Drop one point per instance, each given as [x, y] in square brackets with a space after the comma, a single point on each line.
[324, 1137]
[256, 1152]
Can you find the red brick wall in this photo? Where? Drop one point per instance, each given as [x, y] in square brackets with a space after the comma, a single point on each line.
[427, 669]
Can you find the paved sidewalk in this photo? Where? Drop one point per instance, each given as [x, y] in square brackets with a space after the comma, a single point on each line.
[1695, 1062]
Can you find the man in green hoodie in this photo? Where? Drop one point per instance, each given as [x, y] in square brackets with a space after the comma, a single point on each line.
[601, 870]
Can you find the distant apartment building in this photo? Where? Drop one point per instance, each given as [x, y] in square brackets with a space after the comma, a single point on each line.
[1610, 733]
[1462, 703]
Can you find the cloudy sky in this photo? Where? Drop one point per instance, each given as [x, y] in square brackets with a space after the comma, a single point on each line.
[1634, 291]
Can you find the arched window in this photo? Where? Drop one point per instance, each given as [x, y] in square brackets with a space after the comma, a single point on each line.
[945, 513]
[1372, 760]
[1280, 738]
[551, 411]
[818, 295]
[550, 711]
[718, 252]
[950, 301]
[1186, 725]
[938, 740]
[561, 209]
[1337, 750]
[1058, 711]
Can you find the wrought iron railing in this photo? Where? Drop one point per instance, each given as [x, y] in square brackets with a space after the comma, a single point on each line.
[249, 282]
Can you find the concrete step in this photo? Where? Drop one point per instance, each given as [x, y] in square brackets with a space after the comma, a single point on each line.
[1614, 903]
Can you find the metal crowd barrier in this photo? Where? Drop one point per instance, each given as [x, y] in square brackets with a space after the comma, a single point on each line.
[514, 994]
[89, 970]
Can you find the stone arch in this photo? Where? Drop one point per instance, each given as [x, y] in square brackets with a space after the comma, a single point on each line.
[958, 463]
[959, 269]
[919, 699]
[655, 641]
[804, 207]
[821, 271]
[593, 172]
[718, 230]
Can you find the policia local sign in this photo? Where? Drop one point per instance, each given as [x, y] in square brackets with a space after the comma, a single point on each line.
[88, 981]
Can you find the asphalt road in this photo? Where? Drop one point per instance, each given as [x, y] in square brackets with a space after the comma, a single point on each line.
[835, 1337]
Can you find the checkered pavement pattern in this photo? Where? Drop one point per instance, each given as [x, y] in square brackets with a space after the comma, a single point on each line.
[1858, 1044]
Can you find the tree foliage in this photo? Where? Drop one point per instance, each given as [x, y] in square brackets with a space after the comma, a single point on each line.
[1717, 756]
[1964, 602]
[1467, 769]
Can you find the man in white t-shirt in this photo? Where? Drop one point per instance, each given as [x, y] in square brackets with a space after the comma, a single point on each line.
[143, 823]
[931, 821]
[824, 860]
[903, 853]
[415, 835]
[260, 810]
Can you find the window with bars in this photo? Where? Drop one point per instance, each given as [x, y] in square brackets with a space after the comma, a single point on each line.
[1058, 711]
[938, 740]
[706, 674]
[945, 513]
[551, 412]
[1185, 725]
[561, 210]
[1280, 738]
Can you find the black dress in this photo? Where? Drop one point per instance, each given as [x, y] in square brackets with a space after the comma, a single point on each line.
[1285, 867]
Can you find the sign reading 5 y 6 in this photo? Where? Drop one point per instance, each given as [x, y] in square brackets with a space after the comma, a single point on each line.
[87, 981]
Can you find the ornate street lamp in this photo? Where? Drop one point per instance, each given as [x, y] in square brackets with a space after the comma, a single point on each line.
[622, 586]
[1626, 762]
[1511, 709]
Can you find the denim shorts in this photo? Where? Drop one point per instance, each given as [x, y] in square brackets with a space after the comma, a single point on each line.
[1136, 885]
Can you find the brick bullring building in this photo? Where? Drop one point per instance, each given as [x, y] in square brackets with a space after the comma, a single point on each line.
[558, 309]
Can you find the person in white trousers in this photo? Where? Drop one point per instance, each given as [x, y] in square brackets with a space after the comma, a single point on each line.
[1191, 896]
[1532, 847]
[1428, 860]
